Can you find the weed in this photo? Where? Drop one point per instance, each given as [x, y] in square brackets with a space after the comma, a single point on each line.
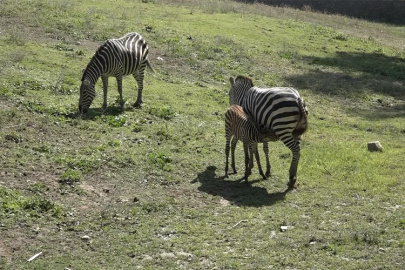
[136, 128]
[114, 143]
[12, 202]
[37, 107]
[163, 133]
[38, 188]
[15, 40]
[13, 137]
[44, 148]
[70, 177]
[4, 91]
[341, 36]
[116, 121]
[160, 160]
[164, 113]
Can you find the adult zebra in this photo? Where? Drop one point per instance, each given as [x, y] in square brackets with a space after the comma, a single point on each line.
[115, 58]
[280, 110]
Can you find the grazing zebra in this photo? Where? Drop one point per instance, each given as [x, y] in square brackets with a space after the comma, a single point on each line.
[238, 126]
[117, 58]
[280, 110]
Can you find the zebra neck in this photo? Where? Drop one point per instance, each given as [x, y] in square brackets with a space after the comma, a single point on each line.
[91, 73]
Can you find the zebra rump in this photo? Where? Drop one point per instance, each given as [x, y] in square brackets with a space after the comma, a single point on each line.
[115, 58]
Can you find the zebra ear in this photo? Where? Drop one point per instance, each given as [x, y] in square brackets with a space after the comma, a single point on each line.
[231, 80]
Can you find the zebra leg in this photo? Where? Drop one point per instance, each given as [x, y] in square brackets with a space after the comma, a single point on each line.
[119, 86]
[266, 153]
[257, 156]
[227, 156]
[247, 167]
[295, 148]
[233, 146]
[139, 75]
[252, 150]
[105, 89]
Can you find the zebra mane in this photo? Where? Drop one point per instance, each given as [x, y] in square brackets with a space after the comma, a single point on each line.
[84, 73]
[245, 80]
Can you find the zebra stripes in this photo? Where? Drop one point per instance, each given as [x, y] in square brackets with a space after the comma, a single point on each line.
[239, 127]
[280, 110]
[115, 58]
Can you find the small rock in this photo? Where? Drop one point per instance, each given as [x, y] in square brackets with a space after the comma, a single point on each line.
[167, 255]
[85, 237]
[374, 146]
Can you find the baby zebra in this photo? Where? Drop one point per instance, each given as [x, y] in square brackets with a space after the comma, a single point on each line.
[238, 126]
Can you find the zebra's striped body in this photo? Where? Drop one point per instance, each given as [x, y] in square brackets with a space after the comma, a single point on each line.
[238, 126]
[280, 110]
[115, 58]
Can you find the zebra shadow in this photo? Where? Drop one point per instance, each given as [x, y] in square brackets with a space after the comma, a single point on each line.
[237, 192]
[110, 111]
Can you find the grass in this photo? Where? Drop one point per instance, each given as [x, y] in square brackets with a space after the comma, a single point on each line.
[146, 186]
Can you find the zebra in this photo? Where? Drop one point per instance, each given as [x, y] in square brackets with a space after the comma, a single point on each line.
[239, 127]
[115, 58]
[280, 110]
[265, 144]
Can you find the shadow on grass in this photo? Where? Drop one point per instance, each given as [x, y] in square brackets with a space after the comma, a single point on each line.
[380, 11]
[372, 63]
[110, 111]
[359, 76]
[237, 192]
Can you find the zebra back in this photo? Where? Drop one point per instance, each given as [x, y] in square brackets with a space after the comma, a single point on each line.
[272, 108]
[121, 56]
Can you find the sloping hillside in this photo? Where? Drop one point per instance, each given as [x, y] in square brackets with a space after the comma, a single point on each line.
[145, 188]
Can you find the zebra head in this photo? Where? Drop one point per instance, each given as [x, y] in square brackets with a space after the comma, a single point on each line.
[87, 93]
[239, 86]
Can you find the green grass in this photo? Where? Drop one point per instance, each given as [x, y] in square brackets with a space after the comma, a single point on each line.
[147, 185]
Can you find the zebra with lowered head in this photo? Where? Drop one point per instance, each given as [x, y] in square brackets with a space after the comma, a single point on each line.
[115, 58]
[239, 127]
[280, 110]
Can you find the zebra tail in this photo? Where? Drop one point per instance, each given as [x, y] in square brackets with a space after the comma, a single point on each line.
[302, 124]
[150, 66]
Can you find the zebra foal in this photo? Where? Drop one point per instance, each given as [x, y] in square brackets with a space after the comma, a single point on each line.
[278, 110]
[115, 58]
[239, 127]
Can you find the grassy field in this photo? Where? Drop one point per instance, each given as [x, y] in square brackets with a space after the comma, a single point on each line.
[145, 188]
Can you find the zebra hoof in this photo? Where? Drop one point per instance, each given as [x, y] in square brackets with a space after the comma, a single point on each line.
[292, 182]
[138, 104]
